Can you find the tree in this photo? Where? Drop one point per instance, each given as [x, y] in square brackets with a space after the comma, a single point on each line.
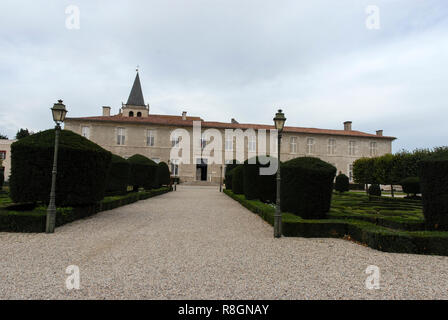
[342, 183]
[383, 168]
[3, 137]
[360, 174]
[22, 133]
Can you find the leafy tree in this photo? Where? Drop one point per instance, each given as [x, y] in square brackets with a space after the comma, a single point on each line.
[3, 136]
[360, 174]
[383, 168]
[22, 133]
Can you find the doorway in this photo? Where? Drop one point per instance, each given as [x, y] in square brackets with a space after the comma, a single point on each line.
[201, 170]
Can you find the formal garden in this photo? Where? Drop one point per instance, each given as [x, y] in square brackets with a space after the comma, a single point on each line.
[317, 203]
[90, 179]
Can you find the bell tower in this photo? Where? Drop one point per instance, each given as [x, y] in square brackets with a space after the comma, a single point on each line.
[135, 106]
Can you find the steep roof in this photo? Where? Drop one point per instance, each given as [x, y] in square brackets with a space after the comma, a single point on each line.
[177, 121]
[136, 95]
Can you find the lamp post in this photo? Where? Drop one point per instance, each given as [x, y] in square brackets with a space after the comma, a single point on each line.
[279, 122]
[59, 113]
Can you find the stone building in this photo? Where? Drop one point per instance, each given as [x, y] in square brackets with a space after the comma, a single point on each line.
[5, 156]
[136, 130]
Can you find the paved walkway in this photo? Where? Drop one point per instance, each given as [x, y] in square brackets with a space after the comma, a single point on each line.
[198, 243]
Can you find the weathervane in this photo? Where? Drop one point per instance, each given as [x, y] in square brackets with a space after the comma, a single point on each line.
[137, 68]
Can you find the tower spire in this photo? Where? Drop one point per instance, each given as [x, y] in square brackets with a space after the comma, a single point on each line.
[136, 95]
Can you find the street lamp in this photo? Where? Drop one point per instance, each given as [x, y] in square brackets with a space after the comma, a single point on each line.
[59, 113]
[279, 122]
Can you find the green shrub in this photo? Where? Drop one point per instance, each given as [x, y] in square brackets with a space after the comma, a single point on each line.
[163, 174]
[375, 190]
[81, 173]
[118, 178]
[342, 183]
[306, 187]
[256, 185]
[228, 178]
[238, 180]
[411, 185]
[2, 177]
[433, 173]
[143, 172]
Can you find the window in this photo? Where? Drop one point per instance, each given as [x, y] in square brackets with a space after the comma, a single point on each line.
[150, 138]
[350, 172]
[352, 148]
[174, 164]
[252, 143]
[331, 148]
[373, 149]
[2, 155]
[293, 144]
[139, 114]
[85, 132]
[310, 145]
[229, 143]
[120, 136]
[175, 141]
[131, 113]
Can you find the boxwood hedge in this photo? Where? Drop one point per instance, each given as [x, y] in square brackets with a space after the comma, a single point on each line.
[238, 179]
[143, 172]
[257, 185]
[306, 187]
[163, 174]
[342, 183]
[81, 173]
[433, 173]
[118, 178]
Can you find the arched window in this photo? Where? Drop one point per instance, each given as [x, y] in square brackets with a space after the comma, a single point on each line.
[131, 113]
[139, 114]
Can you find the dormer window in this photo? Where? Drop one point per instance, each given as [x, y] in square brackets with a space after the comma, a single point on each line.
[139, 114]
[131, 113]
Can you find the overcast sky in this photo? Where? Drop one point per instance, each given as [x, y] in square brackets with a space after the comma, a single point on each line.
[317, 60]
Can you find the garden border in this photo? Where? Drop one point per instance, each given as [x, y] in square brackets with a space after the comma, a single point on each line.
[369, 234]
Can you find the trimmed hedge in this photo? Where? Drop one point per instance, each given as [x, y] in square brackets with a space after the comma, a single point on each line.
[375, 190]
[163, 174]
[256, 185]
[83, 167]
[238, 180]
[342, 183]
[2, 177]
[143, 172]
[118, 178]
[411, 185]
[34, 221]
[433, 173]
[307, 187]
[376, 237]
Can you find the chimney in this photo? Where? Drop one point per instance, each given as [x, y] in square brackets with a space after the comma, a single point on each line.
[379, 133]
[347, 126]
[106, 111]
[184, 115]
[233, 121]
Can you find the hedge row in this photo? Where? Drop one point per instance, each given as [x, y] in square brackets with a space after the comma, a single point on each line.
[376, 237]
[34, 221]
[82, 168]
[433, 173]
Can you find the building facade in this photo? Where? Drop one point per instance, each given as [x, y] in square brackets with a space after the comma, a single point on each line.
[135, 130]
[5, 156]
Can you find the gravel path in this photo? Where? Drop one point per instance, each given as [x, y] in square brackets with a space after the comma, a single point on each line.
[197, 243]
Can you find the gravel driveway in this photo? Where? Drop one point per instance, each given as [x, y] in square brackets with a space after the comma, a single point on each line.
[198, 243]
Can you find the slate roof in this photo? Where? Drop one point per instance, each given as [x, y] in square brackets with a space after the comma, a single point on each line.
[136, 95]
